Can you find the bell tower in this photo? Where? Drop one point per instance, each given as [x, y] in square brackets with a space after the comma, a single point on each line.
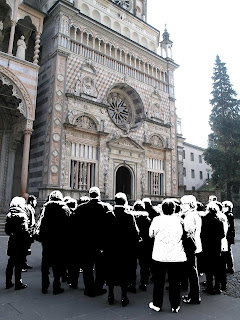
[166, 45]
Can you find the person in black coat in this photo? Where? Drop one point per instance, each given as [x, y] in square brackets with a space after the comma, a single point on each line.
[72, 205]
[89, 228]
[145, 245]
[211, 234]
[120, 252]
[54, 230]
[16, 227]
[149, 208]
[228, 211]
[30, 211]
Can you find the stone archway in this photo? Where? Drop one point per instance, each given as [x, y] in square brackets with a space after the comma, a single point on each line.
[13, 125]
[124, 181]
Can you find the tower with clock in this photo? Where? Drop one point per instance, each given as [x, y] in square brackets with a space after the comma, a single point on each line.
[106, 107]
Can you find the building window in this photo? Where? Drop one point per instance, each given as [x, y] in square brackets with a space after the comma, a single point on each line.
[192, 173]
[82, 175]
[192, 156]
[83, 166]
[200, 159]
[155, 164]
[193, 188]
[183, 154]
[155, 183]
[184, 172]
[208, 176]
[201, 175]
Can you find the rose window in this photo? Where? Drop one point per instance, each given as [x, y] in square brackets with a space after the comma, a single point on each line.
[125, 107]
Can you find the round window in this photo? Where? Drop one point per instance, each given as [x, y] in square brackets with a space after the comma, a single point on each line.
[125, 107]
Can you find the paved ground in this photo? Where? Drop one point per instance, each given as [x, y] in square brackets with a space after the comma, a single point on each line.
[31, 304]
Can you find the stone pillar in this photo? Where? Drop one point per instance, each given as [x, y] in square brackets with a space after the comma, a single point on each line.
[10, 172]
[36, 48]
[25, 160]
[88, 176]
[3, 166]
[75, 33]
[11, 38]
[76, 175]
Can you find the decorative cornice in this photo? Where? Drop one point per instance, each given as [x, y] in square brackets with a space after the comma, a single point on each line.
[166, 125]
[100, 104]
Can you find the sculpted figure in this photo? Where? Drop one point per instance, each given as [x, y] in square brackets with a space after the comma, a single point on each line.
[21, 48]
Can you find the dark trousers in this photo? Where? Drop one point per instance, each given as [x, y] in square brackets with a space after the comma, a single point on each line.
[229, 258]
[159, 273]
[50, 259]
[145, 264]
[73, 269]
[223, 273]
[193, 278]
[93, 260]
[17, 262]
[213, 270]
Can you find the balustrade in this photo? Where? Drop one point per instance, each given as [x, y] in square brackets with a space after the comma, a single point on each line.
[111, 62]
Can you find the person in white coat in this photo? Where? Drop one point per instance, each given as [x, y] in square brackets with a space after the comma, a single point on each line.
[192, 226]
[168, 255]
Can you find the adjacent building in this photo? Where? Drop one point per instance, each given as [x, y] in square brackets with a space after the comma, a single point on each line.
[196, 172]
[20, 30]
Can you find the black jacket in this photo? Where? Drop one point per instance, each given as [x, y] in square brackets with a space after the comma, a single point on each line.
[211, 234]
[90, 224]
[16, 227]
[54, 227]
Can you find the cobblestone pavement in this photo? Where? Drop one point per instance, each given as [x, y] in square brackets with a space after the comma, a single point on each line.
[31, 304]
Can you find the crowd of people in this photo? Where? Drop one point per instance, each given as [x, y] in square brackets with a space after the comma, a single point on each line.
[179, 239]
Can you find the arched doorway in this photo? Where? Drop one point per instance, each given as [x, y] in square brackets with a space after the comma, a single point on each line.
[124, 181]
[12, 124]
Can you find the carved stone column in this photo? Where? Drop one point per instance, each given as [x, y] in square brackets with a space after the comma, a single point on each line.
[36, 48]
[3, 166]
[10, 171]
[11, 39]
[25, 160]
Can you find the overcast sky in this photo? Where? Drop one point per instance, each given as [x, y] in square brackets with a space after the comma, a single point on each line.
[200, 30]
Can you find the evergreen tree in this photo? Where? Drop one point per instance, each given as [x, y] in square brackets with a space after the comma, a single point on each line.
[223, 153]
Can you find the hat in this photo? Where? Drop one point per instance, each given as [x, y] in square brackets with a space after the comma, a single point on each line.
[94, 192]
[120, 198]
[147, 201]
[212, 198]
[56, 195]
[189, 199]
[18, 202]
[139, 205]
[227, 203]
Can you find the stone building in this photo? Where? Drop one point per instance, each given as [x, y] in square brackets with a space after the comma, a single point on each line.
[196, 172]
[105, 107]
[20, 31]
[105, 112]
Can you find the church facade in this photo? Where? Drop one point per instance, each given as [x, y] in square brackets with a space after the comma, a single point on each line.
[105, 109]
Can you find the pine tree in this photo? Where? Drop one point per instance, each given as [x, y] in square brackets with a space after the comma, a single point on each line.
[223, 153]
